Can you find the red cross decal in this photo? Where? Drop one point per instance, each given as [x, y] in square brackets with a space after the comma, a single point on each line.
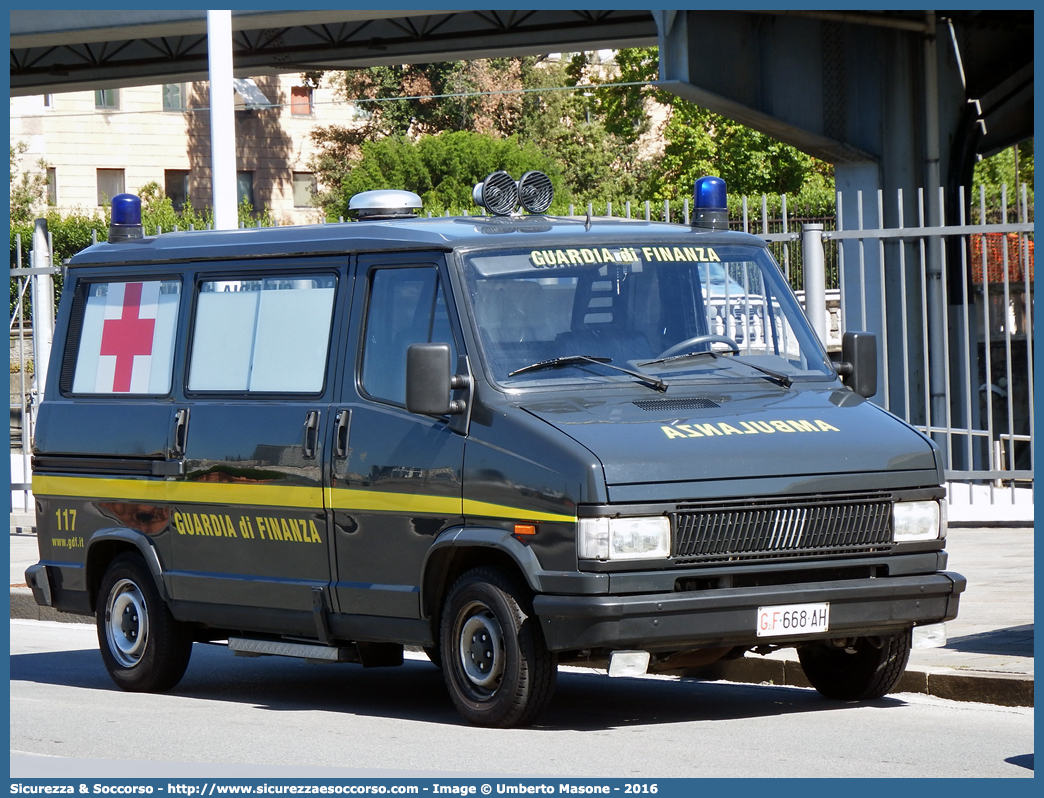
[127, 336]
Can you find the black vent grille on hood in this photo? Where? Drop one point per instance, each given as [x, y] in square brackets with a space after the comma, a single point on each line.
[695, 403]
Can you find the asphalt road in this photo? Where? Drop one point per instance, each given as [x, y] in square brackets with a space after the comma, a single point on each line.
[273, 717]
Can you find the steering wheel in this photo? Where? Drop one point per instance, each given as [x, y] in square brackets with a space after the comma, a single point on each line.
[685, 346]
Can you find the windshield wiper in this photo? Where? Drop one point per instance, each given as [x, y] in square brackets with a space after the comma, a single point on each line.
[661, 360]
[570, 360]
[776, 376]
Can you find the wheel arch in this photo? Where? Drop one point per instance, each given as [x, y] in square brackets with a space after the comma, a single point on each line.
[462, 548]
[106, 545]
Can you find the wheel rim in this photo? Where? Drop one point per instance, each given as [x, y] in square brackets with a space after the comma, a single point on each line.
[481, 648]
[126, 623]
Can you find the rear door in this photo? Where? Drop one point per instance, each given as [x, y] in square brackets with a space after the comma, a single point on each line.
[102, 443]
[250, 539]
[396, 479]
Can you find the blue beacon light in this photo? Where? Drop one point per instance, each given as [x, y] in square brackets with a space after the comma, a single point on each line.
[126, 219]
[711, 204]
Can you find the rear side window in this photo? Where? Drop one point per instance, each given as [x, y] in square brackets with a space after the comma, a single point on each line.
[407, 306]
[126, 342]
[269, 334]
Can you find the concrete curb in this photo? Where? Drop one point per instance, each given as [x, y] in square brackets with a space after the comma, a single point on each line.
[1006, 690]
[23, 606]
[986, 688]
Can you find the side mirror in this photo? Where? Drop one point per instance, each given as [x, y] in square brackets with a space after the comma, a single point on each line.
[858, 366]
[429, 381]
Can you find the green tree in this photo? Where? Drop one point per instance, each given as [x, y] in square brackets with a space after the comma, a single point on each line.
[699, 142]
[626, 108]
[70, 232]
[520, 97]
[442, 169]
[999, 170]
[28, 188]
[598, 165]
[411, 101]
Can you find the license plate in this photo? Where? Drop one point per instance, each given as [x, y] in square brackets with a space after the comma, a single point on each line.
[793, 619]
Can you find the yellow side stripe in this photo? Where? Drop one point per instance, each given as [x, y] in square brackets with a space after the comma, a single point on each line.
[381, 501]
[232, 493]
[488, 510]
[169, 492]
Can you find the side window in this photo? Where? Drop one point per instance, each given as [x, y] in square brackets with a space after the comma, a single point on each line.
[406, 306]
[266, 334]
[126, 341]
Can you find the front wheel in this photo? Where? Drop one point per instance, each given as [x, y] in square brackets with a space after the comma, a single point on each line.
[494, 659]
[143, 647]
[856, 670]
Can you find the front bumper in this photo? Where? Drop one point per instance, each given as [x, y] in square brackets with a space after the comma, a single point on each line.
[726, 617]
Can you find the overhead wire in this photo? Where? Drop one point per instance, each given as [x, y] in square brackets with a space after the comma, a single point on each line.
[347, 102]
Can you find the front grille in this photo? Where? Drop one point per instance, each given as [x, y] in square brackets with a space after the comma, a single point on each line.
[784, 529]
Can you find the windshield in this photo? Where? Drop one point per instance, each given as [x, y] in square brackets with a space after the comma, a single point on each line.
[712, 312]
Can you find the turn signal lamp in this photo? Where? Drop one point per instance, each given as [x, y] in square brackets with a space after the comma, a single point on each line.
[711, 203]
[126, 219]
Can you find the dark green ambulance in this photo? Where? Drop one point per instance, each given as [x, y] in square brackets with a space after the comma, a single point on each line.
[512, 440]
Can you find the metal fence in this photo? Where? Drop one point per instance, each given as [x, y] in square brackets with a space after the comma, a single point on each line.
[961, 368]
[781, 231]
[953, 316]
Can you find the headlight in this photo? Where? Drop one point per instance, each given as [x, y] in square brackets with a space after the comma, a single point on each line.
[624, 538]
[916, 521]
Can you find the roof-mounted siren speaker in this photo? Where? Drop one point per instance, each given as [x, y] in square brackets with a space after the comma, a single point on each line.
[498, 194]
[126, 219]
[535, 192]
[711, 201]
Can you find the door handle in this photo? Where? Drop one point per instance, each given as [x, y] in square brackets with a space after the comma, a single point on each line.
[181, 419]
[311, 434]
[341, 434]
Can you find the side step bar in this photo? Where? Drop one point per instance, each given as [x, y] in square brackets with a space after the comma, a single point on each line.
[371, 655]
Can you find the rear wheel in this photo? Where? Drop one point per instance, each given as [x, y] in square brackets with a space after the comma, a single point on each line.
[494, 660]
[864, 669]
[143, 647]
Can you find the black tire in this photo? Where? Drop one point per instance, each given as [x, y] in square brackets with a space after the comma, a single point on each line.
[859, 672]
[496, 665]
[144, 649]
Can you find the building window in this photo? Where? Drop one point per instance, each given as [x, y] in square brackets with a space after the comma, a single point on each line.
[48, 101]
[245, 188]
[110, 183]
[301, 100]
[174, 97]
[52, 186]
[304, 189]
[176, 187]
[107, 99]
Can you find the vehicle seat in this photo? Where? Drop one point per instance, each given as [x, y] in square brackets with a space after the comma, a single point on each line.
[600, 319]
